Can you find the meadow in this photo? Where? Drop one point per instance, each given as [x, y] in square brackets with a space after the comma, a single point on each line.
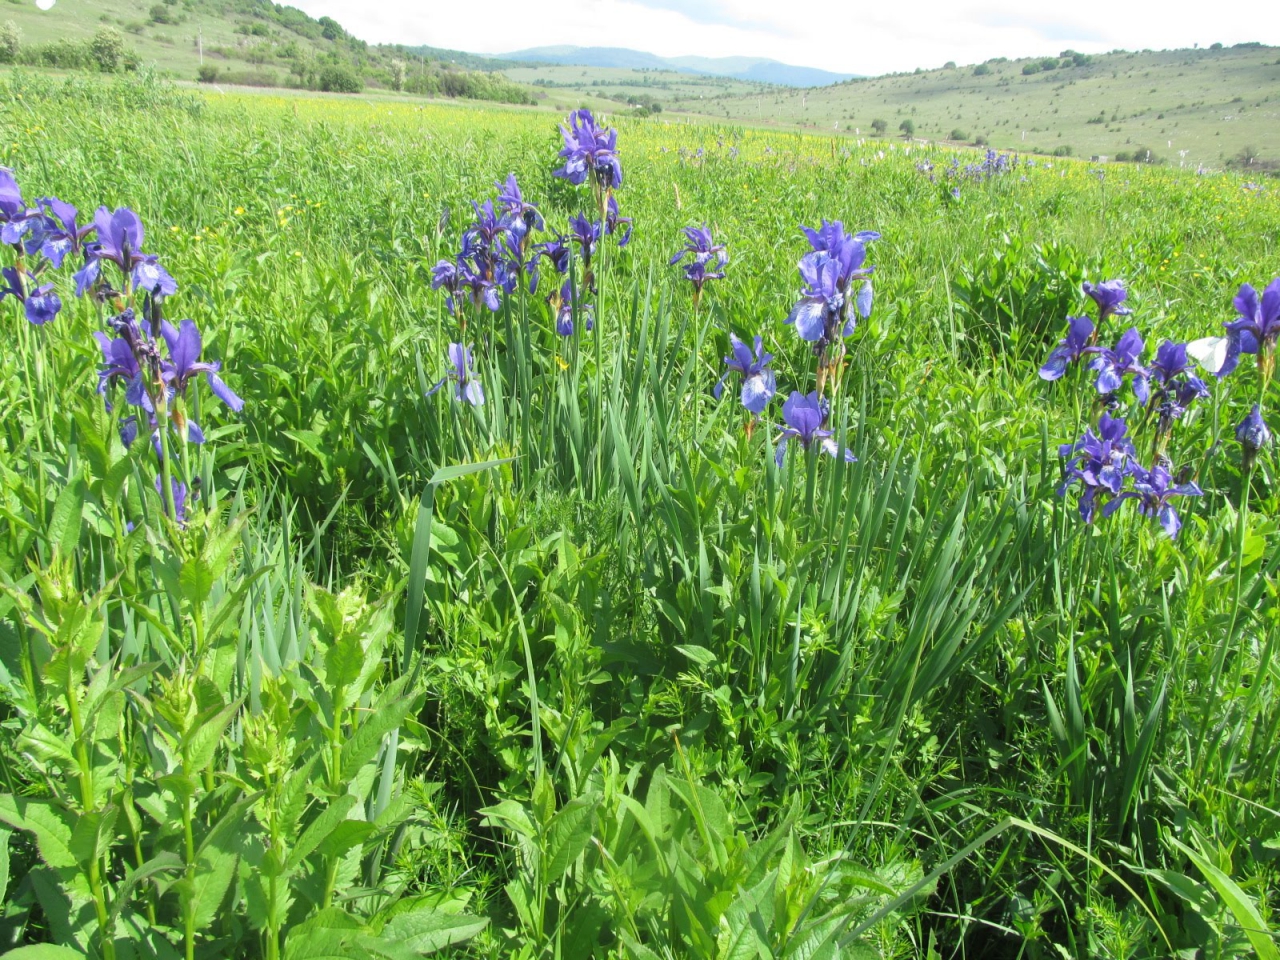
[509, 633]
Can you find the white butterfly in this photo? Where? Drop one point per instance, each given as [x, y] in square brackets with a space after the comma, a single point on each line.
[1209, 352]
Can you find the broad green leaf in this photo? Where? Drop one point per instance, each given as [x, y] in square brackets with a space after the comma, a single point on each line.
[347, 835]
[53, 835]
[202, 742]
[701, 656]
[1242, 908]
[216, 863]
[567, 835]
[445, 474]
[425, 931]
[93, 834]
[43, 951]
[64, 526]
[361, 747]
[318, 830]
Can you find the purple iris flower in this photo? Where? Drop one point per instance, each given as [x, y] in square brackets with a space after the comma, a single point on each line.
[59, 232]
[818, 313]
[806, 417]
[153, 279]
[1109, 296]
[184, 363]
[511, 198]
[758, 382]
[1069, 349]
[484, 240]
[1253, 435]
[566, 309]
[484, 286]
[590, 151]
[16, 217]
[1099, 461]
[119, 364]
[446, 276]
[40, 304]
[179, 499]
[613, 222]
[556, 250]
[466, 386]
[1171, 360]
[1152, 489]
[701, 249]
[120, 236]
[828, 272]
[1258, 327]
[1112, 366]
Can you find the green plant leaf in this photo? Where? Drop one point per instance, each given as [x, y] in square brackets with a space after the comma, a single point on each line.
[425, 931]
[43, 951]
[453, 472]
[68, 511]
[363, 745]
[216, 863]
[1242, 908]
[319, 828]
[567, 835]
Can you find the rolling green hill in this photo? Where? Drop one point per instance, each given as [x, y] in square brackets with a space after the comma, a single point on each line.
[1186, 107]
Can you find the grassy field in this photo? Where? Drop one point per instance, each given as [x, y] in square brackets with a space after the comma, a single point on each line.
[584, 671]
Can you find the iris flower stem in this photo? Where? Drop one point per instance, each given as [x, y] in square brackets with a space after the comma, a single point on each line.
[1220, 657]
[603, 278]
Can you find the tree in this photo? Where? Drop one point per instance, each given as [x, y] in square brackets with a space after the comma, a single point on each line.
[10, 42]
[981, 70]
[878, 127]
[107, 48]
[398, 74]
[907, 127]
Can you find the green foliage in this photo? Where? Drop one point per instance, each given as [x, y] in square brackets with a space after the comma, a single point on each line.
[584, 672]
[107, 49]
[335, 78]
[10, 42]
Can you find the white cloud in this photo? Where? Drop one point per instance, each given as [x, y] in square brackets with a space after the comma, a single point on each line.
[849, 37]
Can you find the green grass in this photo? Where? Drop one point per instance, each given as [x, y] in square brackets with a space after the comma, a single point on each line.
[656, 696]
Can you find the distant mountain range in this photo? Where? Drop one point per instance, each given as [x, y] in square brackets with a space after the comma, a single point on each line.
[758, 69]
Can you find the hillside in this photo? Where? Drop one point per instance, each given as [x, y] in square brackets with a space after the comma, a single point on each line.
[1183, 106]
[751, 69]
[253, 42]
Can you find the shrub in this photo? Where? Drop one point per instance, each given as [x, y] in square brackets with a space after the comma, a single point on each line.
[1049, 63]
[10, 42]
[981, 70]
[1029, 68]
[335, 78]
[1062, 151]
[107, 49]
[878, 127]
[160, 13]
[208, 73]
[958, 134]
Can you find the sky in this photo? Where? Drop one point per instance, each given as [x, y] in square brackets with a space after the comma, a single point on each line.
[845, 36]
